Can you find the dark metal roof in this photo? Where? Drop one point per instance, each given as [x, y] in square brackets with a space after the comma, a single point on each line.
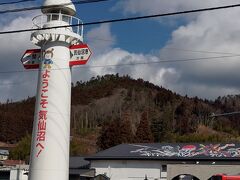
[82, 172]
[78, 162]
[167, 151]
[4, 152]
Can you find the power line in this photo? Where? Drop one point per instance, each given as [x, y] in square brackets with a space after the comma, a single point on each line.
[124, 19]
[15, 2]
[165, 61]
[52, 6]
[200, 51]
[169, 49]
[131, 64]
[225, 114]
[16, 83]
[114, 65]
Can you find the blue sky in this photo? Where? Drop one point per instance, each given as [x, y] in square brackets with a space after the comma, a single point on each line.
[147, 34]
[199, 35]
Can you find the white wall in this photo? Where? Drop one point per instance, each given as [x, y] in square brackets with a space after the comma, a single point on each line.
[3, 157]
[202, 171]
[126, 170]
[18, 174]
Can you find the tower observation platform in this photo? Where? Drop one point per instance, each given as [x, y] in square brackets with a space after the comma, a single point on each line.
[57, 13]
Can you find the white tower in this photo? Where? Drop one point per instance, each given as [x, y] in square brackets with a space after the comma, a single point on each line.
[51, 129]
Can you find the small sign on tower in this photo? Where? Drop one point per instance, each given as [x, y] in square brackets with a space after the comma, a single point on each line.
[31, 59]
[79, 54]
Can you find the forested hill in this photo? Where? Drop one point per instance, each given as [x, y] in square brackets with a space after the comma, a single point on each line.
[121, 110]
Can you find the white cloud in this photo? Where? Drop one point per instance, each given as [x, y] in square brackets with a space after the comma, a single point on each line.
[208, 78]
[197, 89]
[100, 38]
[124, 62]
[19, 85]
[143, 7]
[164, 6]
[216, 31]
[15, 85]
[109, 60]
[209, 31]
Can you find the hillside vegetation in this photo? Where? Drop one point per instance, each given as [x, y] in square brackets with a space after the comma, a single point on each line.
[111, 109]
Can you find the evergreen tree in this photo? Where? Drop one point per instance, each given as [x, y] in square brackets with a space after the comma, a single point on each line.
[161, 125]
[144, 133]
[126, 132]
[116, 132]
[110, 135]
[22, 150]
[184, 118]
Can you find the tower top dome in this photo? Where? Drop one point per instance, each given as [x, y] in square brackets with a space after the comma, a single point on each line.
[63, 6]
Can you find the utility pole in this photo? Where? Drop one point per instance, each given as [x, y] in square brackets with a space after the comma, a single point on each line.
[61, 48]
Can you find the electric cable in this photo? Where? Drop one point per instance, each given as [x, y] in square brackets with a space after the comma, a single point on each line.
[124, 19]
[225, 114]
[130, 64]
[15, 2]
[13, 84]
[200, 51]
[51, 6]
[103, 66]
[166, 48]
[17, 83]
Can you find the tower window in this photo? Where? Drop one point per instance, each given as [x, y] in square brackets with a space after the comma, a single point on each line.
[66, 18]
[55, 17]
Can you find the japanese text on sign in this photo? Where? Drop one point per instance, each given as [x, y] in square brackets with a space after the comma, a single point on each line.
[81, 51]
[42, 114]
[79, 54]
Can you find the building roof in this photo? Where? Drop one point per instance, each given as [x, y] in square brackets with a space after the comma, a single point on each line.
[80, 167]
[82, 172]
[13, 162]
[78, 162]
[167, 151]
[4, 152]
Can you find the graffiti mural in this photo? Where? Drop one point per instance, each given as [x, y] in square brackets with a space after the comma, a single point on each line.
[189, 150]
